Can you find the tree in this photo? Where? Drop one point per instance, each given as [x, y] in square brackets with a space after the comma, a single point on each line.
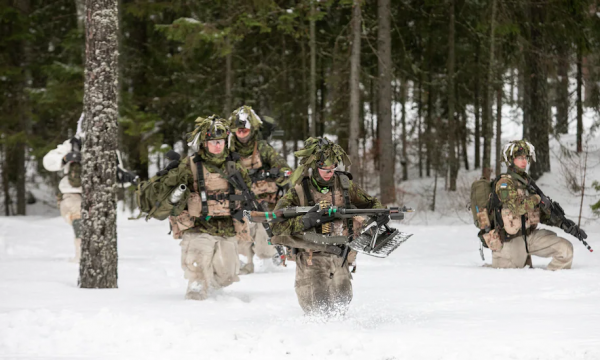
[386, 148]
[98, 265]
[353, 142]
[452, 128]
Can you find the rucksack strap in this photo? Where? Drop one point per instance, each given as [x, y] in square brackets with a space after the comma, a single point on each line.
[310, 200]
[199, 184]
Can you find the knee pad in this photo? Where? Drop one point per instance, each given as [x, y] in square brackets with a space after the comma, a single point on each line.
[77, 227]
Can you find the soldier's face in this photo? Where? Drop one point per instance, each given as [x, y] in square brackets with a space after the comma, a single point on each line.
[216, 146]
[242, 133]
[326, 172]
[521, 162]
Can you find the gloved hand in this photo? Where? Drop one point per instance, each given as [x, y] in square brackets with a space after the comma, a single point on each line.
[73, 156]
[545, 204]
[316, 217]
[382, 219]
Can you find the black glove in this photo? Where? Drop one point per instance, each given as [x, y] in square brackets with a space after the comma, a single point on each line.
[382, 219]
[73, 156]
[124, 177]
[274, 173]
[75, 143]
[316, 217]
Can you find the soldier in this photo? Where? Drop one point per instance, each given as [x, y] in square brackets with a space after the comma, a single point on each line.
[269, 173]
[209, 254]
[518, 211]
[322, 273]
[67, 158]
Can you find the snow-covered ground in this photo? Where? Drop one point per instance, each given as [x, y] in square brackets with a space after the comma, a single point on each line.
[432, 299]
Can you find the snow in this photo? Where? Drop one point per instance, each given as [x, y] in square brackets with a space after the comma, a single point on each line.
[431, 299]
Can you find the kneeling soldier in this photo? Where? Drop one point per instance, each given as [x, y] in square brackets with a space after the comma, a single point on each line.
[517, 207]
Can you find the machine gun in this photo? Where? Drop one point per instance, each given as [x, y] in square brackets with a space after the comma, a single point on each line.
[375, 239]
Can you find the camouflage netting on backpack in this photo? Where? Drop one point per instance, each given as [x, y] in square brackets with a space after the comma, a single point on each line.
[153, 195]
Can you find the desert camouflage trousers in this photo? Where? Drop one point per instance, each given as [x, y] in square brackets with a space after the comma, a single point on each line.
[541, 242]
[209, 263]
[260, 246]
[325, 287]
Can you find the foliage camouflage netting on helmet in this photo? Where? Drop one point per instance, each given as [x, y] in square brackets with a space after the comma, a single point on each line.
[516, 148]
[318, 152]
[210, 128]
[245, 117]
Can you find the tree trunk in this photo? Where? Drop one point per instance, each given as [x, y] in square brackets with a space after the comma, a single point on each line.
[429, 141]
[487, 113]
[562, 91]
[403, 96]
[353, 142]
[313, 72]
[227, 108]
[579, 94]
[499, 124]
[465, 135]
[452, 128]
[98, 265]
[384, 51]
[526, 99]
[419, 121]
[476, 105]
[539, 120]
[305, 122]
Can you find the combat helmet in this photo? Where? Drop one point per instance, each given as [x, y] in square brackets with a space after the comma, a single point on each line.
[318, 152]
[210, 128]
[517, 148]
[245, 117]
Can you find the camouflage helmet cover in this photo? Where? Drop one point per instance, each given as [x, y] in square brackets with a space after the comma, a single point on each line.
[517, 148]
[245, 118]
[210, 128]
[318, 152]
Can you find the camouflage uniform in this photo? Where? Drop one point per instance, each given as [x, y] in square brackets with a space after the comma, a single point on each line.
[258, 157]
[69, 199]
[518, 205]
[209, 254]
[322, 278]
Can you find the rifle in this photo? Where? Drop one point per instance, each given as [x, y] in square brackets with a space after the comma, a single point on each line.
[557, 212]
[395, 213]
[249, 203]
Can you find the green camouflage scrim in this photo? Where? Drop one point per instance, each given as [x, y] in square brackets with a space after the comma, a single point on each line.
[268, 155]
[216, 226]
[358, 197]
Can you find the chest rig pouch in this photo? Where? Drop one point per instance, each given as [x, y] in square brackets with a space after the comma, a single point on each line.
[338, 232]
[212, 192]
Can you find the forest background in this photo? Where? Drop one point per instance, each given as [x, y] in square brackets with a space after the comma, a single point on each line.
[405, 86]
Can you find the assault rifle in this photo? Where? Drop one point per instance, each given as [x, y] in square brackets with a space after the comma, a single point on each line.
[249, 203]
[557, 212]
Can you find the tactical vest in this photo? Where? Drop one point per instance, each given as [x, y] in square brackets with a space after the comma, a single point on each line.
[212, 194]
[260, 187]
[337, 196]
[513, 223]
